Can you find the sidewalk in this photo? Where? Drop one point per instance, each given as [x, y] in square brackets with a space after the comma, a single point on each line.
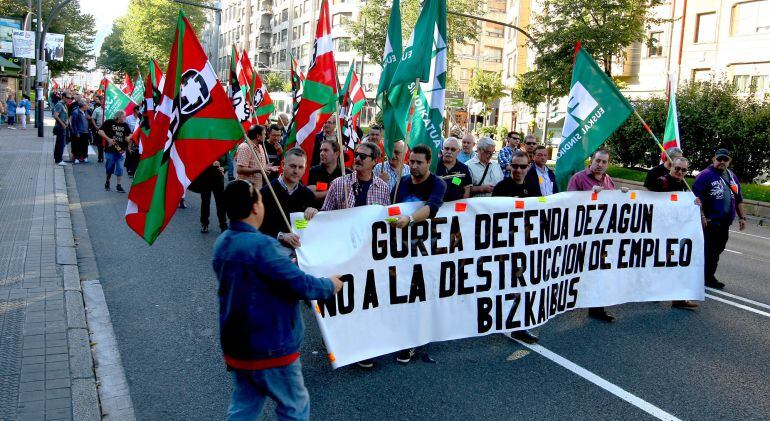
[46, 367]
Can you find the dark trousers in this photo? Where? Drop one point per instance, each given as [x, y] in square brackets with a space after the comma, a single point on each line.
[58, 147]
[715, 236]
[97, 140]
[80, 146]
[132, 160]
[215, 186]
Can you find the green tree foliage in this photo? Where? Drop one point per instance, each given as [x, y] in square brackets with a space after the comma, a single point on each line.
[711, 115]
[605, 28]
[486, 87]
[77, 28]
[376, 13]
[277, 82]
[145, 32]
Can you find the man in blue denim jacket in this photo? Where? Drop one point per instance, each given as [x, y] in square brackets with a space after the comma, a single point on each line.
[260, 323]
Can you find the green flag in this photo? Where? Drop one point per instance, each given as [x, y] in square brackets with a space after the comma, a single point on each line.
[114, 100]
[428, 116]
[595, 109]
[402, 97]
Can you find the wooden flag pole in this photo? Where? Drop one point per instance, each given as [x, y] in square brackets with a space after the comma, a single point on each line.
[264, 177]
[657, 142]
[342, 159]
[406, 141]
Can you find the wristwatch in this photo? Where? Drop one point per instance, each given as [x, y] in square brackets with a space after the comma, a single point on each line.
[280, 236]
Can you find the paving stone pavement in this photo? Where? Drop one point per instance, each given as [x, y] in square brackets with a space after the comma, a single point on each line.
[46, 368]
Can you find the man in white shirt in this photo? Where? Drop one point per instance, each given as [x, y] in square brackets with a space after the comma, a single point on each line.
[486, 174]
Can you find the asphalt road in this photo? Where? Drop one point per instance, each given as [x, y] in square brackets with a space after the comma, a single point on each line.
[713, 363]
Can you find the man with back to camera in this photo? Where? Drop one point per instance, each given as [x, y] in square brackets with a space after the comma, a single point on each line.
[261, 327]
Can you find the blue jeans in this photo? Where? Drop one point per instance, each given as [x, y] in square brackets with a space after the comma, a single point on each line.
[284, 385]
[114, 163]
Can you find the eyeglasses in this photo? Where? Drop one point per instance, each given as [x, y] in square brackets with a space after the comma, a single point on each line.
[680, 169]
[514, 138]
[531, 143]
[723, 158]
[361, 155]
[519, 166]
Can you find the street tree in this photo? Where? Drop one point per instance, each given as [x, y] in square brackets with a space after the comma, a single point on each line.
[486, 87]
[77, 28]
[146, 31]
[276, 82]
[368, 33]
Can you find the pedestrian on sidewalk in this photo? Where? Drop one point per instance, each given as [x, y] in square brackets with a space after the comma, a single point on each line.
[61, 128]
[115, 133]
[79, 131]
[22, 111]
[261, 327]
[10, 105]
[95, 122]
[2, 113]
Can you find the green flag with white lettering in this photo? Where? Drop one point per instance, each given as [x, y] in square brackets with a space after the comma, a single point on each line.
[595, 109]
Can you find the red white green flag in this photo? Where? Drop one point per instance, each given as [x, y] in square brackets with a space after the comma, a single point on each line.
[260, 103]
[671, 137]
[127, 86]
[142, 132]
[238, 93]
[319, 96]
[297, 80]
[194, 125]
[352, 101]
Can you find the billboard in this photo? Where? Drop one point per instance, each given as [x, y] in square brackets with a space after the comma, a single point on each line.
[23, 44]
[54, 47]
[7, 25]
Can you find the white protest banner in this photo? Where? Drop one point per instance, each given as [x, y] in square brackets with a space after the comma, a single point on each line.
[7, 25]
[488, 265]
[54, 47]
[23, 44]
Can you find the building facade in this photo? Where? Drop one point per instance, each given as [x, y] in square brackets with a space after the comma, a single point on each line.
[697, 40]
[271, 31]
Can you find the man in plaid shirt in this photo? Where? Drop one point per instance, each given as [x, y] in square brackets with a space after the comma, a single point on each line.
[364, 189]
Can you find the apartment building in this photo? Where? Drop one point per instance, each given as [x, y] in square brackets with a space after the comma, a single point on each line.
[271, 30]
[698, 39]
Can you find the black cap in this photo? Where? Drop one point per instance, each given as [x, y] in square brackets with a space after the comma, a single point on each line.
[722, 152]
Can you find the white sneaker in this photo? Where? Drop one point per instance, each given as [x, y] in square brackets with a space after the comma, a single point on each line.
[63, 164]
[77, 161]
[85, 160]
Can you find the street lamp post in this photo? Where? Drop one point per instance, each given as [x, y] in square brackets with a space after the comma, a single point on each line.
[42, 30]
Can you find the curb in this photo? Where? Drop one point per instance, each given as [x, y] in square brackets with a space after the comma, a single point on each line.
[110, 380]
[85, 401]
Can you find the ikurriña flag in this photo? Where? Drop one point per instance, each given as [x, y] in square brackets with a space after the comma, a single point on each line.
[260, 103]
[194, 125]
[319, 92]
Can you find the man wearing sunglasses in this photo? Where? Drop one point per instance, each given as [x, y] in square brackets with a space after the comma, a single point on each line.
[530, 141]
[661, 170]
[362, 187]
[720, 194]
[517, 186]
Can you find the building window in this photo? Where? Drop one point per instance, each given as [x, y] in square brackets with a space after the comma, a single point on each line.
[283, 55]
[494, 54]
[284, 35]
[750, 84]
[342, 45]
[655, 45]
[706, 27]
[497, 6]
[468, 51]
[341, 18]
[750, 17]
[494, 30]
[701, 75]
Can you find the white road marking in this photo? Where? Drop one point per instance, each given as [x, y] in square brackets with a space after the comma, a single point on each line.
[750, 235]
[733, 251]
[741, 306]
[737, 297]
[604, 384]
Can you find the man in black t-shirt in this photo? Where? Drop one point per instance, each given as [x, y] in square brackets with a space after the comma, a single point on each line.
[516, 186]
[455, 174]
[115, 133]
[322, 175]
[274, 151]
